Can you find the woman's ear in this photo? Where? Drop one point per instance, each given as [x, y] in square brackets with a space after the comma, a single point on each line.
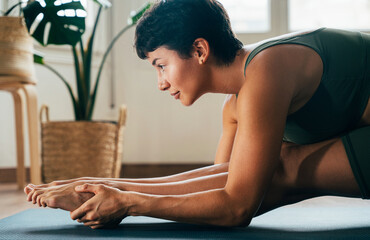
[201, 50]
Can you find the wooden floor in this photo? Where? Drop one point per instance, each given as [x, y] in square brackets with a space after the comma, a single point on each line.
[12, 200]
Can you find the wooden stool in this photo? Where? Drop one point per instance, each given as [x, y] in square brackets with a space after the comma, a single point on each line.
[25, 97]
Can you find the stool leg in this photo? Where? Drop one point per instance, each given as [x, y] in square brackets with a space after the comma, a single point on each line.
[33, 128]
[19, 102]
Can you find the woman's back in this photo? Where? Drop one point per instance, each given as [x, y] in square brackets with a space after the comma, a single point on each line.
[342, 94]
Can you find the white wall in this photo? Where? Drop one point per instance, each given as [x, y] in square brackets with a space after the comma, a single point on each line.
[159, 129]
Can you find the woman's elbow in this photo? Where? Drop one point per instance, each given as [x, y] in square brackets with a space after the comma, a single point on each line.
[238, 212]
[238, 217]
[241, 218]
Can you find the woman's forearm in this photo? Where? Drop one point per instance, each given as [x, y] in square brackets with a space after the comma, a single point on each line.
[214, 207]
[200, 172]
[196, 184]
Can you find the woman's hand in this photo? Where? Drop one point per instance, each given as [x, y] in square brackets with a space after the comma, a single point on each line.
[63, 196]
[106, 209]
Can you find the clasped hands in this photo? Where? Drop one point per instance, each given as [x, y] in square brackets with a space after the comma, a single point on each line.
[94, 205]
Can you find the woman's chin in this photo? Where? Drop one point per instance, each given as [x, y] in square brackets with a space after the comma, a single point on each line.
[188, 102]
[185, 102]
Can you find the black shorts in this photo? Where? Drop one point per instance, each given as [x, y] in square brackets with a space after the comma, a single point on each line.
[357, 145]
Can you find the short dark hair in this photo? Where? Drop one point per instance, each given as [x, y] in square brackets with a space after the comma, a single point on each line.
[175, 24]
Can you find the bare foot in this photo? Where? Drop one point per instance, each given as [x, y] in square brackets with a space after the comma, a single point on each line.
[30, 187]
[63, 196]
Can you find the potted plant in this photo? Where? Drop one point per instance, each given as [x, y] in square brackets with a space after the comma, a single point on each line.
[93, 148]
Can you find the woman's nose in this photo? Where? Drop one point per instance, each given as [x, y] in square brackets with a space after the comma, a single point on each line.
[163, 85]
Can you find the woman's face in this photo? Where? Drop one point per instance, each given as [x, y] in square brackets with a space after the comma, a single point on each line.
[184, 79]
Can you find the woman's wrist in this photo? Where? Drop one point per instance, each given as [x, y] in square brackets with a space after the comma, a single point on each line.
[116, 184]
[128, 201]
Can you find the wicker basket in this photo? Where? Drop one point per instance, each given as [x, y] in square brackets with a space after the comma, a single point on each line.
[81, 148]
[16, 49]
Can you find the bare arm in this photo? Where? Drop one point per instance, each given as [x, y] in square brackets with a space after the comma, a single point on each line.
[192, 185]
[197, 180]
[200, 172]
[206, 178]
[65, 196]
[229, 127]
[253, 162]
[221, 160]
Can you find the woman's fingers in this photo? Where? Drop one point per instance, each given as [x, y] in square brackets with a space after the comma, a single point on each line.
[28, 189]
[85, 208]
[100, 224]
[89, 188]
[38, 198]
[92, 223]
[29, 195]
[32, 195]
[42, 202]
[96, 226]
[35, 195]
[99, 211]
[79, 213]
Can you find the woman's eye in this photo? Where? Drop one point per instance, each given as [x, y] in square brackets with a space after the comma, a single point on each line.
[161, 67]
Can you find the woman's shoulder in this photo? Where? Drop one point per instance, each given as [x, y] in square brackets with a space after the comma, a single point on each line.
[271, 76]
[290, 68]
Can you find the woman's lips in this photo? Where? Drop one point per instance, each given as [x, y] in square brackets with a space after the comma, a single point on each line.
[176, 95]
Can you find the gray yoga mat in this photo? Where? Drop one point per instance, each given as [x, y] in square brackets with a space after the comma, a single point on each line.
[291, 222]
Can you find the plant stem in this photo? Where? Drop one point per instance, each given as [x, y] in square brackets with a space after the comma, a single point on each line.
[20, 9]
[11, 9]
[88, 61]
[81, 87]
[82, 50]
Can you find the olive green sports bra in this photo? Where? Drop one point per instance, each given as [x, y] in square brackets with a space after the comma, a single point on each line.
[340, 100]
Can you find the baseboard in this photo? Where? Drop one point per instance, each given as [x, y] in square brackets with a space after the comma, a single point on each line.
[8, 175]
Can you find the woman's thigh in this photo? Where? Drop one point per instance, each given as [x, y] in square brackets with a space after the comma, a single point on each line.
[324, 168]
[309, 171]
[338, 166]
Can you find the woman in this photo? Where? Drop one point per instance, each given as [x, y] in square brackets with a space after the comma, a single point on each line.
[310, 89]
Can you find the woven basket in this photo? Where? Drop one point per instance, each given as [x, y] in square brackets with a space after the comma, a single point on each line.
[16, 49]
[72, 149]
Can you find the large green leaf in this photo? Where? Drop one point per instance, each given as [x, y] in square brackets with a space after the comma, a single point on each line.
[63, 29]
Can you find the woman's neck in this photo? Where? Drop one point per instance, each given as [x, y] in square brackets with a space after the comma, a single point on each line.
[229, 79]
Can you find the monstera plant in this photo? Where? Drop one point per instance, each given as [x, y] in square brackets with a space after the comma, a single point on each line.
[62, 22]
